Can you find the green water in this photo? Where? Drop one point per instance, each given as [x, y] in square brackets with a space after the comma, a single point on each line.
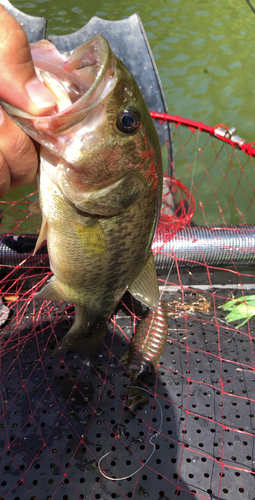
[204, 51]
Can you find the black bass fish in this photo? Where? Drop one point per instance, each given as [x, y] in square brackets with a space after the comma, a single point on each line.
[99, 183]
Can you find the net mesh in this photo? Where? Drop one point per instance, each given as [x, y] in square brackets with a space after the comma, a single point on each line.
[61, 415]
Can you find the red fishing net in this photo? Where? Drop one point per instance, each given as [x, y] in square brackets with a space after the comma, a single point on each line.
[193, 435]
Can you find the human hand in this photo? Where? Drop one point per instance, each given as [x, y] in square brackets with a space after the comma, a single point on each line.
[19, 86]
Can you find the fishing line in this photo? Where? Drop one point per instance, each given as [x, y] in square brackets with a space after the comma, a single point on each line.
[166, 280]
[150, 442]
[252, 8]
[161, 415]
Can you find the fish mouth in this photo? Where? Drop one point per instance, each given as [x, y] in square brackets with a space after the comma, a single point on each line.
[88, 76]
[79, 82]
[88, 65]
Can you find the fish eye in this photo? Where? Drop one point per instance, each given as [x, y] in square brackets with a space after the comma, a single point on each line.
[128, 121]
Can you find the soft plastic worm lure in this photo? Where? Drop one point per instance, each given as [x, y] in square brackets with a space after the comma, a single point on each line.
[148, 341]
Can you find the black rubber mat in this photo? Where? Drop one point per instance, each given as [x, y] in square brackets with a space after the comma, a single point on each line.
[59, 417]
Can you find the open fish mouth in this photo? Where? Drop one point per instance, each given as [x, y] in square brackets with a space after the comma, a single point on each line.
[79, 82]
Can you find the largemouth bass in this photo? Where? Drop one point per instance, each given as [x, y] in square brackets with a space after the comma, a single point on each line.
[99, 186]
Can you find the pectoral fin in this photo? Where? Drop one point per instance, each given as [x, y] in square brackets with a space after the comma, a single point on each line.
[91, 237]
[145, 287]
[43, 234]
[50, 291]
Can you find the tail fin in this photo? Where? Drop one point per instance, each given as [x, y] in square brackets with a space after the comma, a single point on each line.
[87, 342]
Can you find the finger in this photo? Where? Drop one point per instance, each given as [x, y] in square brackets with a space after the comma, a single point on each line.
[19, 84]
[19, 158]
[5, 176]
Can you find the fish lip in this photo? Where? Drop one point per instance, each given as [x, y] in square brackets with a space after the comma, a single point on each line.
[63, 120]
[79, 109]
[103, 51]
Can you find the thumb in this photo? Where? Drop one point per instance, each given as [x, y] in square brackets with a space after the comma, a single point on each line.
[19, 84]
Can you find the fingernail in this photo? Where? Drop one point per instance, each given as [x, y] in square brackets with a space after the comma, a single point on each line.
[1, 117]
[40, 95]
